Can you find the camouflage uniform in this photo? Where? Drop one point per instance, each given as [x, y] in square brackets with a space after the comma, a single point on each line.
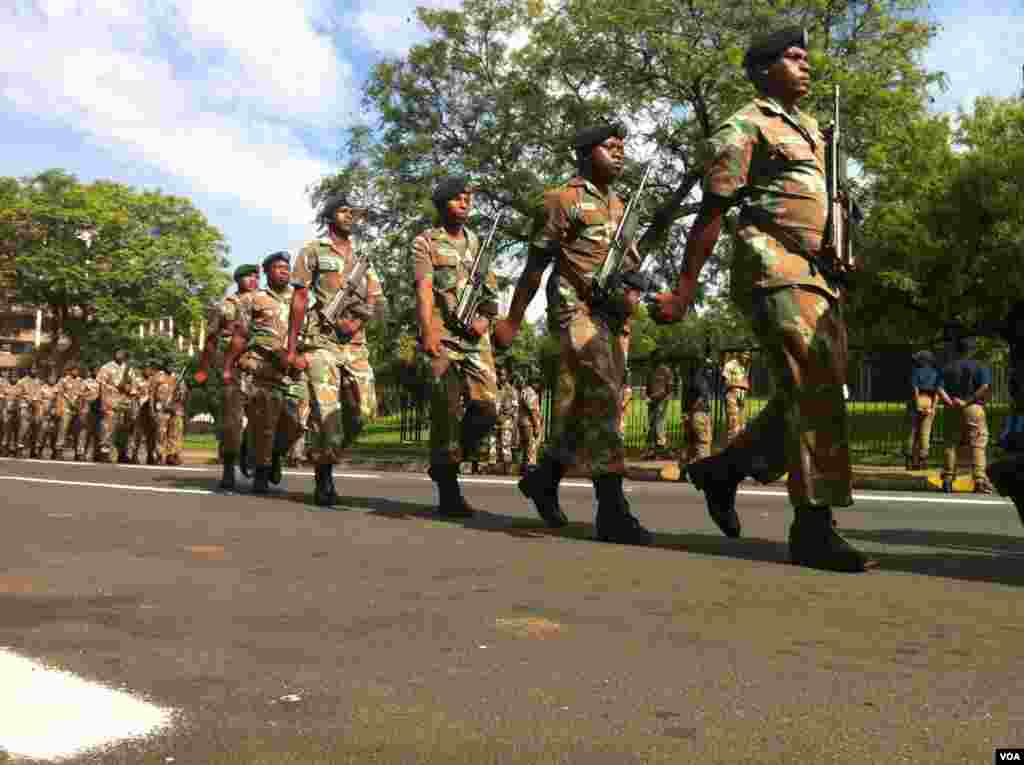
[466, 366]
[508, 417]
[298, 392]
[161, 402]
[65, 412]
[265, 314]
[5, 393]
[221, 320]
[25, 391]
[737, 385]
[698, 396]
[659, 390]
[773, 163]
[88, 418]
[338, 373]
[966, 427]
[529, 424]
[111, 377]
[42, 420]
[575, 230]
[135, 420]
[174, 436]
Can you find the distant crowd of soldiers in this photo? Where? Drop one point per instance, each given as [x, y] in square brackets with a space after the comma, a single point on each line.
[117, 412]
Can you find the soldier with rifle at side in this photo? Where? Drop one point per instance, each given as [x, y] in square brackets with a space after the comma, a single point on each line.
[114, 379]
[65, 411]
[583, 229]
[791, 260]
[456, 301]
[332, 349]
[220, 329]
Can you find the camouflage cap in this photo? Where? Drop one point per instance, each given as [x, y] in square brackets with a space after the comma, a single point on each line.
[243, 271]
[766, 49]
[276, 256]
[447, 189]
[589, 137]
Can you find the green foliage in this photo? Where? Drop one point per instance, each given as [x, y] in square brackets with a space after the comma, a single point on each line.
[104, 257]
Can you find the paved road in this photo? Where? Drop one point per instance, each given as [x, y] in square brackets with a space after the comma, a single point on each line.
[411, 640]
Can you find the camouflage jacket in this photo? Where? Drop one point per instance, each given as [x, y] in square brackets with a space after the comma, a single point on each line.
[448, 263]
[69, 390]
[575, 229]
[161, 389]
[508, 403]
[659, 382]
[223, 315]
[772, 163]
[90, 391]
[27, 389]
[264, 313]
[529, 405]
[324, 269]
[735, 375]
[111, 376]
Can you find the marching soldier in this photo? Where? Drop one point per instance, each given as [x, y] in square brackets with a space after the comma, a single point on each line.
[736, 377]
[69, 390]
[6, 395]
[698, 395]
[88, 417]
[174, 439]
[42, 418]
[161, 404]
[769, 158]
[965, 387]
[659, 392]
[530, 426]
[137, 412]
[221, 327]
[508, 417]
[459, 362]
[333, 354]
[260, 347]
[574, 231]
[27, 394]
[114, 381]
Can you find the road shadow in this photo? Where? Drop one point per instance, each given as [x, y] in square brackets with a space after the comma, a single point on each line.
[959, 555]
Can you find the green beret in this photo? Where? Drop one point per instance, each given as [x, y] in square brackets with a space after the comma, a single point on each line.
[589, 137]
[275, 256]
[766, 49]
[447, 189]
[243, 271]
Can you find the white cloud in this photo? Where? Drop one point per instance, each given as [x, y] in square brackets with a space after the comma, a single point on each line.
[220, 107]
[391, 27]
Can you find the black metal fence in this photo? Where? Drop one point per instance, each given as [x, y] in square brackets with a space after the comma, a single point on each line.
[877, 404]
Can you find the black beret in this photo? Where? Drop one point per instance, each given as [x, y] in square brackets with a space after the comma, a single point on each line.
[592, 136]
[245, 270]
[275, 256]
[766, 49]
[448, 188]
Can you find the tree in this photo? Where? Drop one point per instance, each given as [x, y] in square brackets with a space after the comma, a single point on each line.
[103, 257]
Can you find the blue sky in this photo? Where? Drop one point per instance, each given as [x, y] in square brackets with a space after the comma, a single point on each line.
[240, 105]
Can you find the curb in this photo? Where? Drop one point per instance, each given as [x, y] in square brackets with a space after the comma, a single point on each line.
[669, 472]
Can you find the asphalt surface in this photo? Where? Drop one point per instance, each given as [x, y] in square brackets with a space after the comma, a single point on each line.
[400, 638]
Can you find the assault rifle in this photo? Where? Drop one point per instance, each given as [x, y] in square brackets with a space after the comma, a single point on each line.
[473, 293]
[346, 297]
[611, 276]
[837, 244]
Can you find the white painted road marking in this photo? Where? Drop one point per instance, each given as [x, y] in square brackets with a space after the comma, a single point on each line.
[907, 498]
[48, 714]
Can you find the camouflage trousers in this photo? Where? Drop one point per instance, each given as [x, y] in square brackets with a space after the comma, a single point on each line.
[338, 383]
[697, 435]
[460, 370]
[735, 416]
[657, 416]
[173, 436]
[506, 432]
[803, 430]
[85, 434]
[922, 417]
[26, 429]
[297, 454]
[271, 407]
[231, 418]
[111, 407]
[585, 416]
[966, 440]
[529, 442]
[64, 426]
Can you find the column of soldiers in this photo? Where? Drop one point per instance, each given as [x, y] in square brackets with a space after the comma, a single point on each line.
[114, 414]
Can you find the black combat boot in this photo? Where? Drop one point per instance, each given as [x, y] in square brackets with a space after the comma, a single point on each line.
[227, 479]
[275, 469]
[324, 494]
[719, 482]
[57, 455]
[614, 522]
[540, 487]
[450, 502]
[261, 480]
[815, 543]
